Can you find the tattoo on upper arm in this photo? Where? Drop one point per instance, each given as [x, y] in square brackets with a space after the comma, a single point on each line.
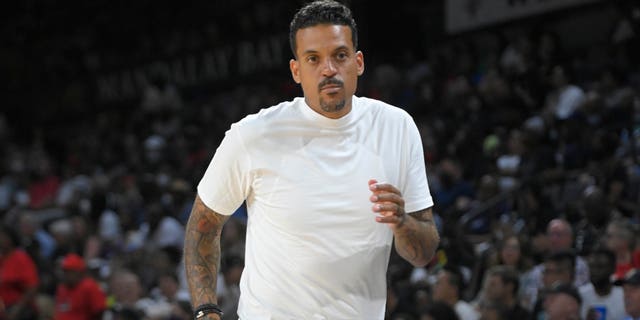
[207, 220]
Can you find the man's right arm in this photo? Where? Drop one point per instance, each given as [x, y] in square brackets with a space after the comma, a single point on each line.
[202, 253]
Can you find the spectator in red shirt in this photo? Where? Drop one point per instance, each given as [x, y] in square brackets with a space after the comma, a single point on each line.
[620, 238]
[78, 296]
[18, 278]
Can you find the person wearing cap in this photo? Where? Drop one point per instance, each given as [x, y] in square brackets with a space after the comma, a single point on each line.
[78, 296]
[631, 286]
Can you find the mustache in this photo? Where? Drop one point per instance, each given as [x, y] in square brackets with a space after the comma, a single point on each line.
[330, 81]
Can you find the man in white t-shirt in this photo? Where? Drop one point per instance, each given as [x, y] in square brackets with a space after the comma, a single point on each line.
[599, 297]
[330, 180]
[566, 97]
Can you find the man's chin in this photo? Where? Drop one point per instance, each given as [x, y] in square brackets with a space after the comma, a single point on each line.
[332, 105]
[332, 108]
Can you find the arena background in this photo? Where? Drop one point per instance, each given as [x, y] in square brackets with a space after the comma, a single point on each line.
[70, 60]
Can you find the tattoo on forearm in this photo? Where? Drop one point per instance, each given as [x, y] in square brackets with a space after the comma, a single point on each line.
[202, 252]
[419, 238]
[412, 245]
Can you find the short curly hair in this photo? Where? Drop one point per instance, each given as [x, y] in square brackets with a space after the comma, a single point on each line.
[322, 12]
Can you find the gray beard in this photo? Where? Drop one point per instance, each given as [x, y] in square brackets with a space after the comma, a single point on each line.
[332, 108]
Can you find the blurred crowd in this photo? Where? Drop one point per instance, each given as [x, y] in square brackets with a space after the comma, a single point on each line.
[532, 154]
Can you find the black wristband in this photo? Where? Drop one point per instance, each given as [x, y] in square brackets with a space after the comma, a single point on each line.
[206, 309]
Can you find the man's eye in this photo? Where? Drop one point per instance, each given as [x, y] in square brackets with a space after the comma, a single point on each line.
[342, 56]
[312, 59]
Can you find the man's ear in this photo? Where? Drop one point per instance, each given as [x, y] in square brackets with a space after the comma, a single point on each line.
[360, 62]
[294, 66]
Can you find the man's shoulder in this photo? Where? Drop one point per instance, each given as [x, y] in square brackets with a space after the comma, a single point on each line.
[88, 283]
[581, 262]
[266, 119]
[380, 108]
[269, 114]
[586, 289]
[463, 305]
[535, 272]
[376, 104]
[466, 310]
[617, 291]
[573, 91]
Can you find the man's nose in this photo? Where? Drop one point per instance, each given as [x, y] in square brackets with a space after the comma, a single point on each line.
[329, 68]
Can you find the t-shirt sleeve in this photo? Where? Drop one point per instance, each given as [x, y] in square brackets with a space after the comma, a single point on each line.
[416, 190]
[225, 183]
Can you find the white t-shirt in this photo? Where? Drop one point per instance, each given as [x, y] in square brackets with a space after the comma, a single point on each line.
[568, 100]
[313, 248]
[611, 305]
[466, 311]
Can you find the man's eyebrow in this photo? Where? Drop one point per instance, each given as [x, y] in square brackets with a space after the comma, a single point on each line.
[343, 47]
[309, 51]
[313, 51]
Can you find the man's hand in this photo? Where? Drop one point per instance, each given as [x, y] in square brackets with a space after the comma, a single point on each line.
[415, 235]
[387, 203]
